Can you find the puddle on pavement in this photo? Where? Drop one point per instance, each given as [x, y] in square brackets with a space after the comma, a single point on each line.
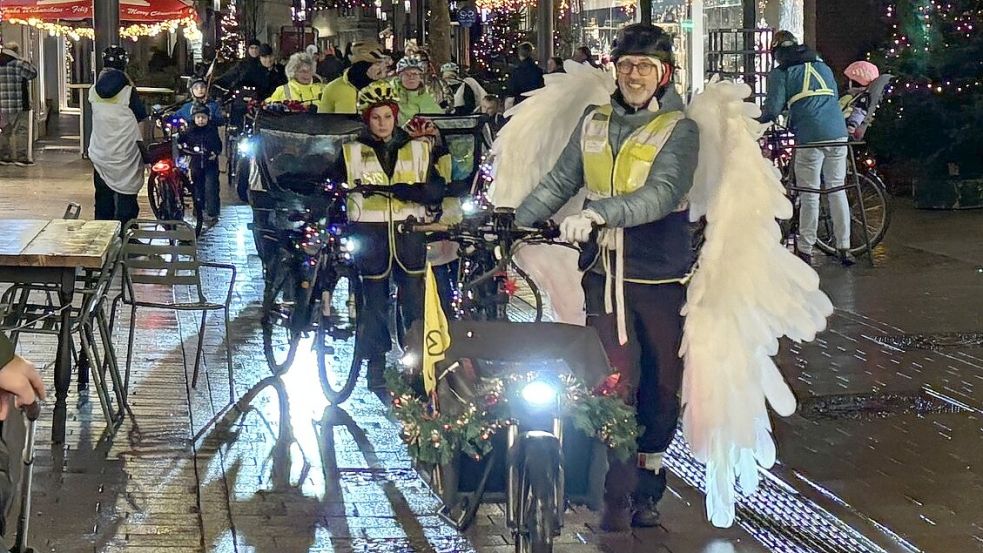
[863, 407]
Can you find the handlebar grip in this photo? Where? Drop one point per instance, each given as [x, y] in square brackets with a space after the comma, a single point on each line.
[32, 411]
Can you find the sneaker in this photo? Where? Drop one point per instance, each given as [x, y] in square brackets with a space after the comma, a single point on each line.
[6, 162]
[375, 372]
[24, 163]
[807, 257]
[646, 514]
[846, 259]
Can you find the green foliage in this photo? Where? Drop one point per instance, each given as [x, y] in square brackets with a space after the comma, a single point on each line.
[934, 111]
[437, 438]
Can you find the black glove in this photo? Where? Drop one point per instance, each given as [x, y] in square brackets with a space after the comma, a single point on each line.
[408, 192]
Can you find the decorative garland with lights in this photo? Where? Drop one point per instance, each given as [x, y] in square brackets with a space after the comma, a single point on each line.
[132, 32]
[437, 438]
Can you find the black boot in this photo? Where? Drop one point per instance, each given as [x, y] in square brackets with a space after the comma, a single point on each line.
[845, 258]
[645, 515]
[375, 372]
[616, 516]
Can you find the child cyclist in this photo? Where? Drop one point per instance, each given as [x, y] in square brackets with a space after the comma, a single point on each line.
[199, 97]
[201, 142]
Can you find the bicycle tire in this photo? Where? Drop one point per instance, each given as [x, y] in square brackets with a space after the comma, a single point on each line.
[277, 284]
[878, 207]
[156, 195]
[513, 314]
[338, 390]
[194, 216]
[538, 478]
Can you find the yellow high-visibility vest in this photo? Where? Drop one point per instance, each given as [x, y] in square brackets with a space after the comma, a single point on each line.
[606, 176]
[412, 163]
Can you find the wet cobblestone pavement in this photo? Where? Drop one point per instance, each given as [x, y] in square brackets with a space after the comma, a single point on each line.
[291, 474]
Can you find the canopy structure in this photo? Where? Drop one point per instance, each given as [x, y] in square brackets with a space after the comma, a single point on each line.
[73, 18]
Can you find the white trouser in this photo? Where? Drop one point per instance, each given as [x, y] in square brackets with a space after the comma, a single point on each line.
[828, 166]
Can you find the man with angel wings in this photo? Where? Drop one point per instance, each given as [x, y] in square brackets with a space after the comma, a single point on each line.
[627, 165]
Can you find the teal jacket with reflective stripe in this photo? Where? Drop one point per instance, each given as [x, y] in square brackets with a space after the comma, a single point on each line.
[805, 85]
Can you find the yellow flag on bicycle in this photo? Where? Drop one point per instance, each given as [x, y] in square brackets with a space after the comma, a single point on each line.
[436, 334]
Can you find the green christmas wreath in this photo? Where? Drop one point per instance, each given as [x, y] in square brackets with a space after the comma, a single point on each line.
[436, 438]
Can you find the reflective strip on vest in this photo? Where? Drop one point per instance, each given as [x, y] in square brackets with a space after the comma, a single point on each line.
[807, 80]
[606, 176]
[363, 165]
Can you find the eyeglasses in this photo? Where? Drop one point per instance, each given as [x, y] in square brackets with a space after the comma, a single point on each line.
[644, 68]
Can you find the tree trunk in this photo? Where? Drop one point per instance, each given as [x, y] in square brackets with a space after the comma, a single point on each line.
[440, 32]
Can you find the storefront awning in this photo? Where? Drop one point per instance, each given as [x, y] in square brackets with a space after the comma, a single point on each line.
[130, 11]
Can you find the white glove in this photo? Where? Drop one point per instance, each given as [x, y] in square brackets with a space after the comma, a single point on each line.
[578, 228]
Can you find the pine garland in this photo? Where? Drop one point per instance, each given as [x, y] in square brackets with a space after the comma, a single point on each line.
[437, 438]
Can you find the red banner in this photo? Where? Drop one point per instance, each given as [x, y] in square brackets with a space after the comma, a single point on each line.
[130, 11]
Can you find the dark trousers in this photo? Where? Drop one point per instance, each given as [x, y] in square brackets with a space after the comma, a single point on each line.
[111, 205]
[651, 369]
[374, 338]
[205, 180]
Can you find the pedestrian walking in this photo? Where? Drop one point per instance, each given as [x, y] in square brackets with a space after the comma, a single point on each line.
[15, 106]
[525, 77]
[116, 148]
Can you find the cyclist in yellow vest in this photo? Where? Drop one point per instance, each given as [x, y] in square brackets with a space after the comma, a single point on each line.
[301, 86]
[805, 85]
[636, 155]
[385, 157]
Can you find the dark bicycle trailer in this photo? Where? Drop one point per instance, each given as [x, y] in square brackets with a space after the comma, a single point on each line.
[484, 350]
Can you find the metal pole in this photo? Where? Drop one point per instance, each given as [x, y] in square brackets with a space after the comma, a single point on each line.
[421, 22]
[545, 38]
[106, 23]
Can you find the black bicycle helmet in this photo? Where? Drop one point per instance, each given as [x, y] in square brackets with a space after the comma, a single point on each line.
[115, 57]
[643, 39]
[782, 39]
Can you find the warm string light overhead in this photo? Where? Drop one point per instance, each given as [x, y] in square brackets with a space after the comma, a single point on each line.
[132, 32]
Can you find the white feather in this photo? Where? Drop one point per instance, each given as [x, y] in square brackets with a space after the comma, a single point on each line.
[748, 292]
[526, 149]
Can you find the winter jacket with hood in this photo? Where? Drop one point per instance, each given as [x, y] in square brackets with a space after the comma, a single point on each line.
[658, 243]
[804, 84]
[111, 82]
[341, 94]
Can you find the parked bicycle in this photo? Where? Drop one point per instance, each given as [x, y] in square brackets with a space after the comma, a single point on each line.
[172, 195]
[870, 208]
[491, 285]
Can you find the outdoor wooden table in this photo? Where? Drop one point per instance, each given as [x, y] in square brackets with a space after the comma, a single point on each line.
[51, 252]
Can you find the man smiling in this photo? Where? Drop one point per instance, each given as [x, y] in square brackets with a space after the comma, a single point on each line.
[636, 155]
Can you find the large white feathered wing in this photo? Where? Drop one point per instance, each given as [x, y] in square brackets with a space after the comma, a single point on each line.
[747, 292]
[525, 150]
[538, 129]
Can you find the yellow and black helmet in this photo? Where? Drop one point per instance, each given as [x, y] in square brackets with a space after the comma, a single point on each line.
[375, 94]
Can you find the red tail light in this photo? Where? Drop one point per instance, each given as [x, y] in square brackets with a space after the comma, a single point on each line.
[161, 166]
[870, 162]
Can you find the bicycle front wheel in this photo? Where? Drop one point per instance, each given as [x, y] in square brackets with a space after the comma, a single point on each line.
[876, 210]
[338, 361]
[280, 338]
[191, 203]
[540, 507]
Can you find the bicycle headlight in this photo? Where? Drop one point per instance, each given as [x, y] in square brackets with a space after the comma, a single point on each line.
[246, 147]
[539, 394]
[409, 360]
[349, 244]
[468, 206]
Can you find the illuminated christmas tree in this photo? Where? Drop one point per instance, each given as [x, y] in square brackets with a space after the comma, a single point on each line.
[933, 113]
[231, 44]
[494, 52]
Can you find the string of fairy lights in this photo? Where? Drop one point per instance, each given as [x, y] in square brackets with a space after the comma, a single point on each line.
[932, 26]
[131, 32]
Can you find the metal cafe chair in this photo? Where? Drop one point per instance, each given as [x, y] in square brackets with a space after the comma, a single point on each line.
[164, 254]
[88, 316]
